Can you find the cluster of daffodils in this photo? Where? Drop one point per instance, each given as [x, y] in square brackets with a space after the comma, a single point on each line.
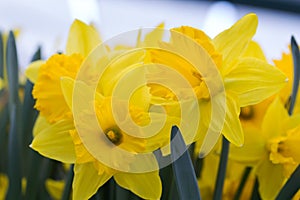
[109, 111]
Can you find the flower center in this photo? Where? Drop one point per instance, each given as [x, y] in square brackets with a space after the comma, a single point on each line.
[114, 135]
[246, 112]
[279, 151]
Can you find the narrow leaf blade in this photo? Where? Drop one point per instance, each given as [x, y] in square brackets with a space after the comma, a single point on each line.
[12, 69]
[296, 60]
[14, 157]
[184, 173]
[1, 57]
[15, 121]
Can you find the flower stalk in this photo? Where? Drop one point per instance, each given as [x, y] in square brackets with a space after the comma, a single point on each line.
[221, 170]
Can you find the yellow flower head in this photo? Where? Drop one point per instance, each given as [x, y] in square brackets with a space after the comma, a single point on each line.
[97, 152]
[247, 80]
[272, 149]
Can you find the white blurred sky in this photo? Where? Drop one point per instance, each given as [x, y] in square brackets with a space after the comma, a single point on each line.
[46, 22]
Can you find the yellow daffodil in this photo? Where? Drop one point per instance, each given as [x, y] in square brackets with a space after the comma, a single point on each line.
[252, 116]
[272, 149]
[58, 137]
[247, 80]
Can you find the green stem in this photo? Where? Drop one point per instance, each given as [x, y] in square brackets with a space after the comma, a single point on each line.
[242, 183]
[291, 187]
[222, 170]
[68, 186]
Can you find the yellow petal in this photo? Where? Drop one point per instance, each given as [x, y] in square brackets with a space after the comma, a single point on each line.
[232, 129]
[55, 188]
[202, 39]
[276, 113]
[32, 70]
[145, 185]
[47, 89]
[119, 65]
[270, 178]
[152, 38]
[87, 180]
[292, 145]
[82, 154]
[67, 85]
[40, 124]
[212, 121]
[254, 50]
[233, 41]
[292, 122]
[132, 75]
[254, 80]
[253, 149]
[54, 141]
[82, 39]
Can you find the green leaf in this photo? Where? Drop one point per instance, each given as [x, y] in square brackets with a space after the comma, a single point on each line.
[12, 69]
[29, 114]
[291, 187]
[33, 182]
[296, 60]
[184, 173]
[221, 170]
[15, 121]
[34, 161]
[4, 119]
[46, 169]
[242, 184]
[169, 188]
[122, 194]
[1, 57]
[14, 156]
[68, 186]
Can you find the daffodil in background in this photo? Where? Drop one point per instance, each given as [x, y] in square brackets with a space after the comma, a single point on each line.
[272, 150]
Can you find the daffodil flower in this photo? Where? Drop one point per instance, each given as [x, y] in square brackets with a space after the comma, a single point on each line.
[56, 135]
[247, 80]
[272, 150]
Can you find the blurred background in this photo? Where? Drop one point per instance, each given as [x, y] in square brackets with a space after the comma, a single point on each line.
[46, 22]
